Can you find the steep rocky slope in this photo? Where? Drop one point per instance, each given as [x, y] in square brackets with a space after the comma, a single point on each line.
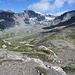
[28, 17]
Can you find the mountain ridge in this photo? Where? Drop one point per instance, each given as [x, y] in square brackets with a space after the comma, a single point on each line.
[10, 19]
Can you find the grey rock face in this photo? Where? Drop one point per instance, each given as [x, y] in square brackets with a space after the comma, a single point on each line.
[33, 14]
[28, 17]
[64, 17]
[65, 20]
[6, 19]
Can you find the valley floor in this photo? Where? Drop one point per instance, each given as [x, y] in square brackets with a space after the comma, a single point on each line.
[47, 53]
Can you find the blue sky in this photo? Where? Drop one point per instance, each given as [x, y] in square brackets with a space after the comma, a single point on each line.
[43, 6]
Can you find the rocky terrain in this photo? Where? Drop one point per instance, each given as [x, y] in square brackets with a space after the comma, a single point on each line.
[28, 17]
[37, 44]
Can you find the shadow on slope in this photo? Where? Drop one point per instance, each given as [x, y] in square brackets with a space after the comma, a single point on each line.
[61, 25]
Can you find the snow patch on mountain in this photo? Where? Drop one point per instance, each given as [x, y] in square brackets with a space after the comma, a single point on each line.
[49, 18]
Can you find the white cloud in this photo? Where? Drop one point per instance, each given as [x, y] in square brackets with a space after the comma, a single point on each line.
[57, 4]
[71, 1]
[59, 13]
[45, 5]
[60, 3]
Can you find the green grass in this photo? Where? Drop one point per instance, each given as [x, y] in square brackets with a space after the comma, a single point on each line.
[34, 41]
[1, 42]
[11, 47]
[18, 48]
[44, 51]
[1, 57]
[24, 49]
[68, 69]
[55, 50]
[2, 61]
[37, 55]
[41, 70]
[72, 36]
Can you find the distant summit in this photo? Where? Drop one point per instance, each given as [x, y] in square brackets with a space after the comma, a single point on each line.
[10, 19]
[65, 20]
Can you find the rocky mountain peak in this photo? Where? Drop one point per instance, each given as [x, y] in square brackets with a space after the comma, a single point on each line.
[66, 15]
[30, 17]
[33, 14]
[6, 14]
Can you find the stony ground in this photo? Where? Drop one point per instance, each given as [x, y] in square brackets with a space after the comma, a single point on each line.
[50, 54]
[14, 63]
